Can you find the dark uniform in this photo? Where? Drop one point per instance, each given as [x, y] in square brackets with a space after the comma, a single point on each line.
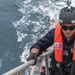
[47, 41]
[67, 67]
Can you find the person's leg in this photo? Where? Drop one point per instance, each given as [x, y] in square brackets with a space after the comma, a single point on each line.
[73, 68]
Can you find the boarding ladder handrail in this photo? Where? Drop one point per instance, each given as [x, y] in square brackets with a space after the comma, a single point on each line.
[20, 69]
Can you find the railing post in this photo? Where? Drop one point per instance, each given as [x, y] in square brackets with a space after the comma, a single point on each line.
[18, 70]
[46, 64]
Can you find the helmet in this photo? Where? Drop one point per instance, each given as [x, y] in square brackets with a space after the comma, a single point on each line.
[43, 67]
[67, 15]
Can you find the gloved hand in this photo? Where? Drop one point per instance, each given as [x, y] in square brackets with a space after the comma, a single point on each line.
[34, 57]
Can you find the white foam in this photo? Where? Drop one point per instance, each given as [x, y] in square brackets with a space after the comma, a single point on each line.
[21, 36]
[45, 8]
[0, 62]
[26, 8]
[27, 1]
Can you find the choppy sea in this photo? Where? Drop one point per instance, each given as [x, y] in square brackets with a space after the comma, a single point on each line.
[22, 23]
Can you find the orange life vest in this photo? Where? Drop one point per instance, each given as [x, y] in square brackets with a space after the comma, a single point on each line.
[58, 45]
[43, 71]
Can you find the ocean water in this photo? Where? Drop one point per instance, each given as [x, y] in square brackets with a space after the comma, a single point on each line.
[9, 47]
[22, 23]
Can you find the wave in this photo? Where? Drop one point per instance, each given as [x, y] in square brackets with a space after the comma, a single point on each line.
[35, 21]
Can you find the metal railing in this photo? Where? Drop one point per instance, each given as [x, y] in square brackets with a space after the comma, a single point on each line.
[20, 69]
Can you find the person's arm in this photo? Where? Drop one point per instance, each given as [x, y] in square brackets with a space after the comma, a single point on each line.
[42, 44]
